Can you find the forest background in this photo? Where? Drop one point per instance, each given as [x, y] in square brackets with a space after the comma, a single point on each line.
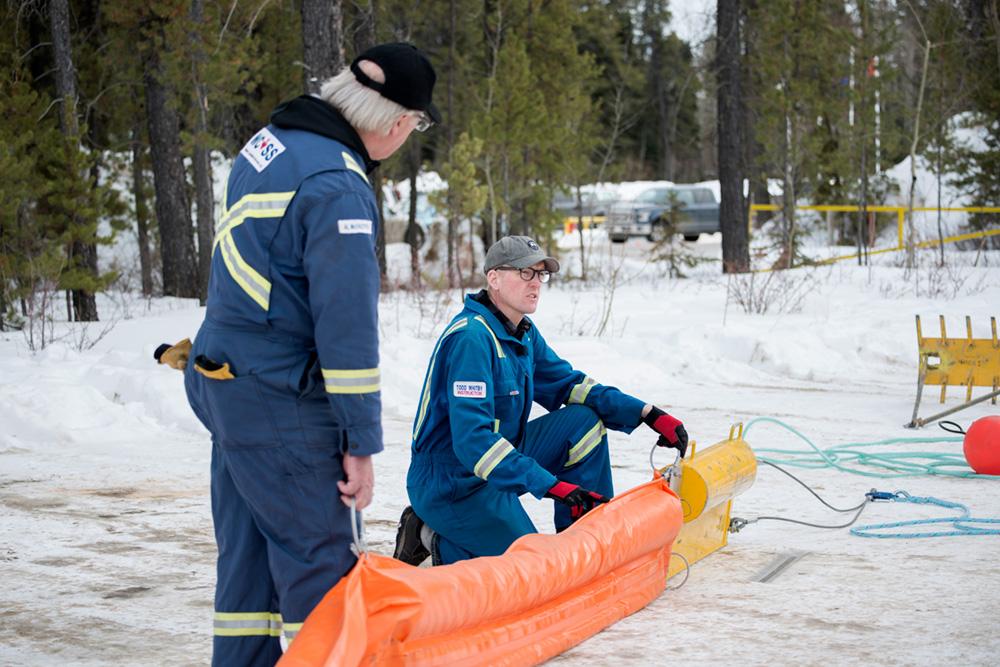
[539, 97]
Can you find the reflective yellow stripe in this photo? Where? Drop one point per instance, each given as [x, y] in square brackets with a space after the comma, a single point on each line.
[247, 624]
[496, 425]
[291, 630]
[255, 285]
[352, 381]
[586, 444]
[493, 456]
[425, 396]
[353, 165]
[496, 341]
[256, 205]
[580, 391]
[247, 632]
[247, 616]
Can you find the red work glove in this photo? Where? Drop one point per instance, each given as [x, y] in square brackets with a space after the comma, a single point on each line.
[580, 500]
[671, 430]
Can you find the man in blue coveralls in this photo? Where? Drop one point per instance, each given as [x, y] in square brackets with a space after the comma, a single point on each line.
[474, 450]
[285, 366]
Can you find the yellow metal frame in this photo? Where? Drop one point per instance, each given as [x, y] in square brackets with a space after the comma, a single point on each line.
[706, 482]
[969, 362]
[900, 212]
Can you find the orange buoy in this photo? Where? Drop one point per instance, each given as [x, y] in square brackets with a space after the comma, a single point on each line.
[982, 445]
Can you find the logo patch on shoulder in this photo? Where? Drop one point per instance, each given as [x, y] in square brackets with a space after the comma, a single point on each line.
[464, 389]
[350, 226]
[262, 149]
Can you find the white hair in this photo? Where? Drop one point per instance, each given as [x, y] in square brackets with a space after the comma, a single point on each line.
[364, 108]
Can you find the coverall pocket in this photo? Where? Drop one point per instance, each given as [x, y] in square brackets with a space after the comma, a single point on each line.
[507, 401]
[240, 414]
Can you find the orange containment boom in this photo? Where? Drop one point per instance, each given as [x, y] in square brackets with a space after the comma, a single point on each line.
[545, 594]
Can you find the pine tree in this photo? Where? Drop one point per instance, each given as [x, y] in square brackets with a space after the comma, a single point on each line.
[732, 210]
[465, 195]
[83, 254]
[983, 166]
[798, 61]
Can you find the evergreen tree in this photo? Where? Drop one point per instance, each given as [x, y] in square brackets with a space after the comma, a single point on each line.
[83, 254]
[732, 210]
[532, 99]
[982, 167]
[464, 197]
[799, 60]
[51, 233]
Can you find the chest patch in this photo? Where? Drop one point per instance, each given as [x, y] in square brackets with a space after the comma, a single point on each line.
[465, 389]
[262, 149]
[354, 226]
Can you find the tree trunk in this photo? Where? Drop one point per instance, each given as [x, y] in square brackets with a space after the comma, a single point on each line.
[862, 135]
[732, 211]
[322, 41]
[205, 203]
[364, 38]
[753, 149]
[81, 252]
[85, 302]
[173, 212]
[414, 234]
[788, 191]
[141, 213]
[662, 103]
[911, 231]
[65, 72]
[579, 229]
[454, 275]
[201, 158]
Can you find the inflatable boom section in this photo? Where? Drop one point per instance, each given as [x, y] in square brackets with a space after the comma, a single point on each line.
[546, 594]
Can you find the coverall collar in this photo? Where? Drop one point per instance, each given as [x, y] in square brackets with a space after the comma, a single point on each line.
[501, 331]
[310, 113]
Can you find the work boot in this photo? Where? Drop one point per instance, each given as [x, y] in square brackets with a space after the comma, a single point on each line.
[409, 547]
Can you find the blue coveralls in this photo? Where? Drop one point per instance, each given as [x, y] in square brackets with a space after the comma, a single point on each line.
[474, 450]
[292, 308]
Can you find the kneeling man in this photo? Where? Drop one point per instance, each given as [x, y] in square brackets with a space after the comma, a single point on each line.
[474, 450]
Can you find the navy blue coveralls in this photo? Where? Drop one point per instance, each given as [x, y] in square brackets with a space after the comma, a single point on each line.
[292, 310]
[474, 450]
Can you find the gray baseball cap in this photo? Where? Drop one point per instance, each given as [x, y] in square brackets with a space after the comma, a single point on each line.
[519, 252]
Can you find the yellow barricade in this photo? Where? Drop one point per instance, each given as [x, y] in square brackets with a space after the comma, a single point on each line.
[969, 362]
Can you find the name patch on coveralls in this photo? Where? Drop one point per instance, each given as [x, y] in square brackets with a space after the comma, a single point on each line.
[469, 389]
[262, 149]
[354, 226]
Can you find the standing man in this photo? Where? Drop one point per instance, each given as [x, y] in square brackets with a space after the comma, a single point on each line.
[285, 366]
[474, 450]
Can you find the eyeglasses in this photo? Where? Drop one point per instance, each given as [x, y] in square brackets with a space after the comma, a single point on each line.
[424, 122]
[529, 274]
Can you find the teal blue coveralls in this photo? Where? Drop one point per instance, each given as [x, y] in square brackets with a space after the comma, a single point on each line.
[474, 450]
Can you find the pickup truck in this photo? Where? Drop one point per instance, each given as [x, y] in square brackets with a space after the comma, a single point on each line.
[690, 210]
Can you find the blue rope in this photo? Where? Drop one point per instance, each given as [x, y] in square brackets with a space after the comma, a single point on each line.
[886, 465]
[960, 524]
[846, 457]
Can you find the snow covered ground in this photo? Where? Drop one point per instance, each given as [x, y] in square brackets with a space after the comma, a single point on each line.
[106, 540]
